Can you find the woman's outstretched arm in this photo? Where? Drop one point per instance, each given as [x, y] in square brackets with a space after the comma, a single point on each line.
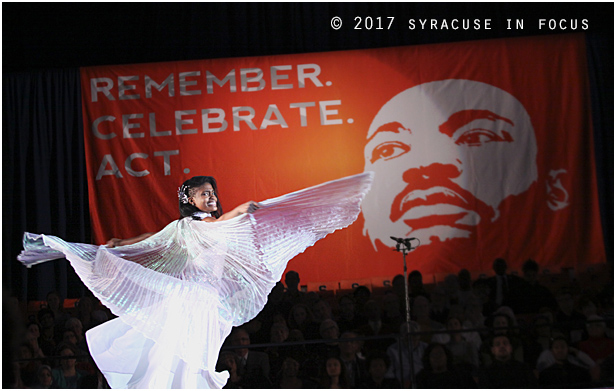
[247, 207]
[115, 242]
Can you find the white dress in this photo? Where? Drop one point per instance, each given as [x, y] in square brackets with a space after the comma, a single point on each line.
[178, 293]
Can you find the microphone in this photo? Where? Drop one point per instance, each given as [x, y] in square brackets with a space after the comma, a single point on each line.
[406, 242]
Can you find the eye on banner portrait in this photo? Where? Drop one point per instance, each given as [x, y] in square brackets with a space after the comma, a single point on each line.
[480, 149]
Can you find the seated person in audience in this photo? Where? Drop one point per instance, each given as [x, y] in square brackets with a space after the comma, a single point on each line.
[300, 317]
[501, 324]
[348, 318]
[504, 371]
[563, 373]
[27, 369]
[279, 333]
[377, 364]
[361, 295]
[56, 304]
[598, 345]
[392, 314]
[465, 291]
[329, 331]
[482, 292]
[569, 321]
[439, 305]
[375, 327]
[254, 366]
[321, 310]
[474, 319]
[534, 296]
[505, 289]
[229, 361]
[575, 356]
[464, 353]
[351, 358]
[289, 376]
[67, 375]
[421, 314]
[399, 288]
[47, 340]
[439, 372]
[398, 353]
[416, 286]
[334, 374]
[44, 378]
[451, 287]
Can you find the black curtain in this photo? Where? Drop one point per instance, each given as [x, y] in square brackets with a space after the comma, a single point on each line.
[45, 188]
[44, 177]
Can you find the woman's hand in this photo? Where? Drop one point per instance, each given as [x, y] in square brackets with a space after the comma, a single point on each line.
[115, 242]
[248, 207]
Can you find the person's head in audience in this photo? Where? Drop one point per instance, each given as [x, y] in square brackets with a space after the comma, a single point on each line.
[437, 358]
[501, 348]
[398, 285]
[587, 306]
[530, 270]
[44, 376]
[228, 361]
[464, 279]
[335, 371]
[34, 328]
[321, 310]
[290, 368]
[542, 326]
[500, 324]
[240, 337]
[75, 325]
[329, 329]
[499, 266]
[596, 326]
[415, 282]
[69, 337]
[346, 305]
[454, 324]
[291, 280]
[566, 303]
[279, 332]
[560, 348]
[46, 318]
[54, 301]
[361, 294]
[350, 348]
[299, 315]
[377, 364]
[67, 364]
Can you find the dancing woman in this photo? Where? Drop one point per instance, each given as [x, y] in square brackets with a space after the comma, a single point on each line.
[177, 293]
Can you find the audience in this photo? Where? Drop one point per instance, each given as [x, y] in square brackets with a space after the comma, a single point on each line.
[482, 344]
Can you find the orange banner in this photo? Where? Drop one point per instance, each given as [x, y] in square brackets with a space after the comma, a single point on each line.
[480, 149]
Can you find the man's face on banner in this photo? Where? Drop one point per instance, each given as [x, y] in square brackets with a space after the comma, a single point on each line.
[445, 155]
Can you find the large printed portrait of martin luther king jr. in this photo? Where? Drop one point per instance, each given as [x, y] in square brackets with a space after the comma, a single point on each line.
[445, 155]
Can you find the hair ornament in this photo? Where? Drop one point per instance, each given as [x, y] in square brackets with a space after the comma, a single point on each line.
[182, 196]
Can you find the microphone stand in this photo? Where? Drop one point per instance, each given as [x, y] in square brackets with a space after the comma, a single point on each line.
[404, 246]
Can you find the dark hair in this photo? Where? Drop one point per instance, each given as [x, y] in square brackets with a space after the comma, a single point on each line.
[530, 266]
[186, 209]
[429, 349]
[377, 355]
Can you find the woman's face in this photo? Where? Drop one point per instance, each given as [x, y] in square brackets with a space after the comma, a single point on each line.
[333, 367]
[377, 368]
[204, 198]
[44, 378]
